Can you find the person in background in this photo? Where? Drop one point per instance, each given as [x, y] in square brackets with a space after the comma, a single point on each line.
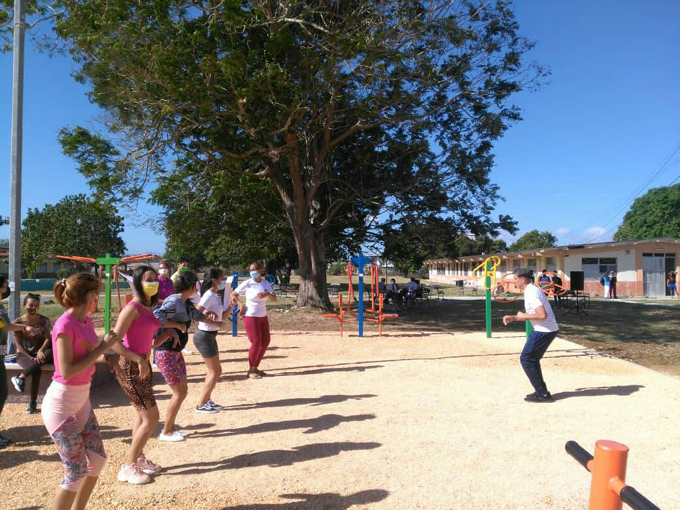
[393, 287]
[66, 408]
[165, 283]
[5, 327]
[257, 291]
[205, 337]
[182, 266]
[606, 282]
[545, 329]
[612, 285]
[382, 287]
[557, 284]
[34, 348]
[672, 283]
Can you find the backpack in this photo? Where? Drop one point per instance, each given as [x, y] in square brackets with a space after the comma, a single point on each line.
[602, 280]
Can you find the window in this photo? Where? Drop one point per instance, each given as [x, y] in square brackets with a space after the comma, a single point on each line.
[550, 264]
[516, 264]
[531, 264]
[593, 268]
[502, 267]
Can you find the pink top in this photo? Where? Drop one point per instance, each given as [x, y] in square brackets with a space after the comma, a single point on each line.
[165, 287]
[84, 340]
[139, 337]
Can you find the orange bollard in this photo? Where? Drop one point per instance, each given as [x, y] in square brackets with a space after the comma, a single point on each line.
[609, 469]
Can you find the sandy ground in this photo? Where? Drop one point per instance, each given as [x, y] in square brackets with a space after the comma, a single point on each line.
[412, 420]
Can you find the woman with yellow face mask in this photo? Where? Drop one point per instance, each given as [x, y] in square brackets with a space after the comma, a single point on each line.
[137, 325]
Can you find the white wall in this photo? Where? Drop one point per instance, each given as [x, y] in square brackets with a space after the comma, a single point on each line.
[625, 262]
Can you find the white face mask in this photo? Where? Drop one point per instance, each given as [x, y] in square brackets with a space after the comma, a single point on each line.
[254, 274]
[164, 272]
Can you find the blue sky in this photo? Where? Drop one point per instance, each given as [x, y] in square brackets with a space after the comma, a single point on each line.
[589, 140]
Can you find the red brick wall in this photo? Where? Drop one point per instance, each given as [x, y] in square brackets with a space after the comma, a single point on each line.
[623, 289]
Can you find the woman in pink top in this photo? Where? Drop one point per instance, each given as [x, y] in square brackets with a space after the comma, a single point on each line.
[66, 408]
[137, 326]
[165, 286]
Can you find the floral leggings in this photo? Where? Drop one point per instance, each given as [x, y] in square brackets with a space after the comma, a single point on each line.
[70, 421]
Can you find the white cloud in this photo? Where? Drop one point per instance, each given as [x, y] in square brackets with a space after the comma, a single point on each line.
[562, 231]
[595, 235]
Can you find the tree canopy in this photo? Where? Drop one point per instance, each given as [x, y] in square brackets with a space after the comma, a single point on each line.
[654, 214]
[359, 115]
[533, 240]
[73, 226]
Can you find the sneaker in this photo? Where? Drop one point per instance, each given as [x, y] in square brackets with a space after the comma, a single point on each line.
[187, 352]
[215, 406]
[254, 375]
[205, 409]
[32, 408]
[536, 397]
[4, 441]
[132, 474]
[18, 383]
[147, 466]
[173, 437]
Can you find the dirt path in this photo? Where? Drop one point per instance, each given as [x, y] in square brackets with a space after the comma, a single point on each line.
[415, 420]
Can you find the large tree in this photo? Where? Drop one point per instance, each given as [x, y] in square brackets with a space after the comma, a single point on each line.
[655, 214]
[353, 111]
[75, 225]
[533, 240]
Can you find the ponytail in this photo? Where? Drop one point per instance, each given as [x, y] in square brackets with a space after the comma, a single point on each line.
[212, 274]
[72, 291]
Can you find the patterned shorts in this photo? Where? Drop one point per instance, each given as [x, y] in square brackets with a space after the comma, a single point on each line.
[138, 389]
[172, 366]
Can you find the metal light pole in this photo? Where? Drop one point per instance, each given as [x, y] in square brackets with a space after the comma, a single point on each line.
[16, 149]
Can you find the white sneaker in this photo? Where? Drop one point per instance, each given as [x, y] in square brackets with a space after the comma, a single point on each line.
[132, 474]
[148, 467]
[215, 406]
[187, 352]
[173, 438]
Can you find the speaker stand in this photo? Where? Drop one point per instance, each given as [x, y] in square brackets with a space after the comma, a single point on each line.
[578, 309]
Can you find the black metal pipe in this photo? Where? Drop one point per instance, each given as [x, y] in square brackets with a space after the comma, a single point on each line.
[576, 451]
[635, 500]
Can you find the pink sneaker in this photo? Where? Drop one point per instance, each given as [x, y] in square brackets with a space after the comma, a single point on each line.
[147, 466]
[132, 474]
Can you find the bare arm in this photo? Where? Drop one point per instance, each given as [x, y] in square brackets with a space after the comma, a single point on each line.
[539, 315]
[67, 367]
[125, 320]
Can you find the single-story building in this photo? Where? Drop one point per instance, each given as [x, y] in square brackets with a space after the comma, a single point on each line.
[641, 267]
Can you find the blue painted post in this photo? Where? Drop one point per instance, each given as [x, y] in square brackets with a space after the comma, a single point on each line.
[360, 262]
[234, 313]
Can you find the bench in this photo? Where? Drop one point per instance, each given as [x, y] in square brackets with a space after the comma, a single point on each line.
[102, 375]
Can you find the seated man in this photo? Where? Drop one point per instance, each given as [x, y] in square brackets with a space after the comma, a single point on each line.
[382, 287]
[393, 287]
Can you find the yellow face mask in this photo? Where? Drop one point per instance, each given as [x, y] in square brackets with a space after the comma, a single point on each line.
[150, 288]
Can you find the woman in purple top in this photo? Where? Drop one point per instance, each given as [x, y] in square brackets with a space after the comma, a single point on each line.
[165, 287]
[136, 325]
[66, 408]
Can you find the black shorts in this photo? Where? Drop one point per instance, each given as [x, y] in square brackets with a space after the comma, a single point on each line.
[206, 343]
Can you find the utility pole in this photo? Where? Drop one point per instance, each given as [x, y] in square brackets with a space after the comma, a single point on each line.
[16, 148]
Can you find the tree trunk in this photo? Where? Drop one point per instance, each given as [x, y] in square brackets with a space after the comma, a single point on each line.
[312, 270]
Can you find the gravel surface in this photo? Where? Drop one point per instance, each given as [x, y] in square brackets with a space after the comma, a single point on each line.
[409, 420]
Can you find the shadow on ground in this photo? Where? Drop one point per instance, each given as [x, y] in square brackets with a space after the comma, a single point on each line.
[621, 391]
[272, 458]
[326, 500]
[312, 425]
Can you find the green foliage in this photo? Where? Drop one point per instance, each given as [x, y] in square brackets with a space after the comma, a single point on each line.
[655, 214]
[360, 116]
[73, 226]
[533, 240]
[35, 12]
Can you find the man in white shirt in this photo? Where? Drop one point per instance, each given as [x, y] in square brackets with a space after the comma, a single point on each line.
[540, 314]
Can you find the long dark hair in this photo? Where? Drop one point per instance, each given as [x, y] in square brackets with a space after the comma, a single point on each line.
[184, 281]
[212, 274]
[139, 288]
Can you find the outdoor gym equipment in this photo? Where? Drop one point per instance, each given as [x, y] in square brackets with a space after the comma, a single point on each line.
[340, 316]
[234, 283]
[105, 265]
[608, 489]
[360, 261]
[487, 270]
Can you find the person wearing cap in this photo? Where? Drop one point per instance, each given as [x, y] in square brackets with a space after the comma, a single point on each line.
[545, 329]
